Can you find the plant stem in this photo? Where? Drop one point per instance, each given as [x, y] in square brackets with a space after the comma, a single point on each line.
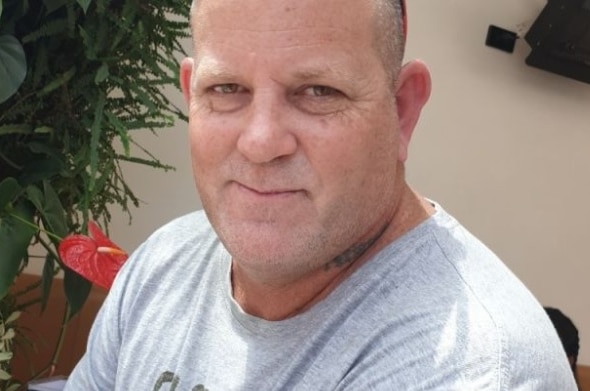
[21, 100]
[47, 248]
[33, 286]
[27, 304]
[62, 335]
[10, 162]
[50, 368]
[36, 227]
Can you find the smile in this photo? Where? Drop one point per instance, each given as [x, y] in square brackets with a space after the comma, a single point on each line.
[266, 192]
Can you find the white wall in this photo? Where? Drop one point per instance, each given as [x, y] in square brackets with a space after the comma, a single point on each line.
[502, 146]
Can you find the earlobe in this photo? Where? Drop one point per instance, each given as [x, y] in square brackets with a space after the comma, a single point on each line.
[186, 71]
[413, 91]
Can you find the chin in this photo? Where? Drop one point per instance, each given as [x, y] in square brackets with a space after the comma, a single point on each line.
[255, 247]
[270, 246]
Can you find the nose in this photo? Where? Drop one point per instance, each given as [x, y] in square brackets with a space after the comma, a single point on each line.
[266, 135]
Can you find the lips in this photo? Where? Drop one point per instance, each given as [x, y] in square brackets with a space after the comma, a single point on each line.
[275, 191]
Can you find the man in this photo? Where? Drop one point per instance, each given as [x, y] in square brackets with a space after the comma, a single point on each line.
[315, 265]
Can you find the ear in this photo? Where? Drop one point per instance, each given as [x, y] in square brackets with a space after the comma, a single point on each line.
[186, 71]
[413, 91]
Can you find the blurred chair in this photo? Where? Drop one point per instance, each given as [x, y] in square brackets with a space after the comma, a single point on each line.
[568, 334]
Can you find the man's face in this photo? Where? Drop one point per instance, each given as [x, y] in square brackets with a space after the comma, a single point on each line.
[293, 130]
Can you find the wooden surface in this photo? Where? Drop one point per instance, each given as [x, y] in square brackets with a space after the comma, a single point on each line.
[584, 377]
[42, 330]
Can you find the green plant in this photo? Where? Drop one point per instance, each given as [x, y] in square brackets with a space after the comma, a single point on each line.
[8, 317]
[77, 79]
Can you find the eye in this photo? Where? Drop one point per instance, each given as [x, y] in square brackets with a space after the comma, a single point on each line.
[320, 99]
[319, 91]
[224, 97]
[228, 88]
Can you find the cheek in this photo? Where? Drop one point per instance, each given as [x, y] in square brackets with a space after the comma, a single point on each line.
[360, 150]
[209, 147]
[210, 143]
[372, 164]
[351, 172]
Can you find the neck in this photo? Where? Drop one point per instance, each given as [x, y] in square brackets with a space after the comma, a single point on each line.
[278, 300]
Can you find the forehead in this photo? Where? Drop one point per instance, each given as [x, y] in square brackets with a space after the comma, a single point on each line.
[337, 30]
[282, 13]
[212, 17]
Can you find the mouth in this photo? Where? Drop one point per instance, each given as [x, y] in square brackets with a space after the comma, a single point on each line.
[267, 192]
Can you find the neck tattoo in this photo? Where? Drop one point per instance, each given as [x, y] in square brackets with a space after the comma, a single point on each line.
[355, 252]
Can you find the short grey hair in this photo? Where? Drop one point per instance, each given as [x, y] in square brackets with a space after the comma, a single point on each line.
[390, 34]
[390, 37]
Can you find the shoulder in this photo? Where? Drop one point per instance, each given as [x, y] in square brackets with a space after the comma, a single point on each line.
[459, 317]
[523, 345]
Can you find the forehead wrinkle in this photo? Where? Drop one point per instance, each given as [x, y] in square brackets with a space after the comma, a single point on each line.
[209, 67]
[315, 74]
[208, 64]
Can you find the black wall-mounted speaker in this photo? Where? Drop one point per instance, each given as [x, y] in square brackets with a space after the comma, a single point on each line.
[560, 39]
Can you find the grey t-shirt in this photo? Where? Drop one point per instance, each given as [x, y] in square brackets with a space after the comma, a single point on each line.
[435, 310]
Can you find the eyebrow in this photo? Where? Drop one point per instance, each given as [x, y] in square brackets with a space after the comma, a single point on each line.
[210, 69]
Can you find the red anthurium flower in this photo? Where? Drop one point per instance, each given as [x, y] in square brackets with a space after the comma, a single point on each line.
[94, 257]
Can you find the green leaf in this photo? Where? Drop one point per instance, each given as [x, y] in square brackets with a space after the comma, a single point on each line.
[14, 316]
[44, 130]
[96, 131]
[102, 73]
[14, 387]
[4, 375]
[9, 188]
[50, 208]
[143, 97]
[15, 236]
[35, 195]
[77, 289]
[47, 280]
[84, 4]
[5, 356]
[51, 28]
[52, 5]
[54, 215]
[15, 129]
[121, 129]
[39, 170]
[13, 66]
[45, 149]
[9, 334]
[58, 82]
[0, 8]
